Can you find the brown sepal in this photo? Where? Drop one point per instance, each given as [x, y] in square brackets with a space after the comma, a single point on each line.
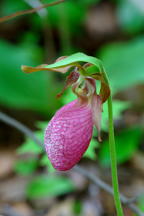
[105, 90]
[71, 79]
[42, 67]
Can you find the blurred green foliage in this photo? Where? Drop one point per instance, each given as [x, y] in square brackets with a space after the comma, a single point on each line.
[118, 108]
[90, 152]
[141, 202]
[19, 90]
[45, 162]
[49, 186]
[70, 15]
[8, 7]
[124, 63]
[77, 207]
[27, 166]
[127, 142]
[130, 16]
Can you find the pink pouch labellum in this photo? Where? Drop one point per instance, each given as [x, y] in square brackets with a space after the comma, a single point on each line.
[68, 135]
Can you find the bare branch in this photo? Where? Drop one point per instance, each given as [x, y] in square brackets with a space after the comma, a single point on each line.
[126, 201]
[24, 12]
[25, 130]
[36, 3]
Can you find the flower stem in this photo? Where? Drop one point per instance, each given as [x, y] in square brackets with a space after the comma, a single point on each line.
[113, 159]
[112, 149]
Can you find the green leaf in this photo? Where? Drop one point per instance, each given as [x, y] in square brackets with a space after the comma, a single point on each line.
[46, 162]
[77, 57]
[68, 97]
[20, 90]
[42, 124]
[130, 17]
[127, 142]
[26, 167]
[29, 146]
[77, 207]
[89, 2]
[63, 64]
[49, 186]
[74, 14]
[118, 108]
[90, 152]
[124, 63]
[9, 7]
[141, 202]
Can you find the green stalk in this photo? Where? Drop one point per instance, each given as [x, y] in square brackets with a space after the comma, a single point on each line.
[113, 160]
[112, 149]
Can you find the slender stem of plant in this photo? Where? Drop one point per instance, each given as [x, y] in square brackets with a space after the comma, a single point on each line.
[113, 159]
[112, 149]
[33, 10]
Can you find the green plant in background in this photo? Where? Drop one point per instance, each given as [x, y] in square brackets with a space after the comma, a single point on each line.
[20, 91]
[26, 166]
[9, 7]
[141, 202]
[49, 186]
[30, 147]
[124, 63]
[68, 18]
[127, 142]
[130, 16]
[42, 186]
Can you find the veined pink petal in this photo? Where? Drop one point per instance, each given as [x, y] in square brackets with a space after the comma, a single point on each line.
[68, 135]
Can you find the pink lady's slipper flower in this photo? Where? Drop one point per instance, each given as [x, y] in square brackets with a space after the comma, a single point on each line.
[68, 135]
[69, 132]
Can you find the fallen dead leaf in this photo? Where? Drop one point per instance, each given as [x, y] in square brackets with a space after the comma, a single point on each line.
[23, 209]
[7, 160]
[62, 209]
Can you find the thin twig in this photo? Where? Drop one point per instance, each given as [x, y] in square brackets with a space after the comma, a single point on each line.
[24, 12]
[25, 130]
[126, 201]
[101, 184]
[36, 3]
